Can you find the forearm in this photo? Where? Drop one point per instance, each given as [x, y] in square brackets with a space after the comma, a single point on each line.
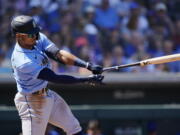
[64, 57]
[69, 59]
[49, 75]
[66, 79]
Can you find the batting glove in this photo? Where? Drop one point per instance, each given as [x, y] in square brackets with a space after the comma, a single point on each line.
[95, 69]
[95, 79]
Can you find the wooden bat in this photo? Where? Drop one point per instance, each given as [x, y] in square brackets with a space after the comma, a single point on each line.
[156, 60]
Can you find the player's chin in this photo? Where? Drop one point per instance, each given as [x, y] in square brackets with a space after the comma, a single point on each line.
[32, 41]
[32, 44]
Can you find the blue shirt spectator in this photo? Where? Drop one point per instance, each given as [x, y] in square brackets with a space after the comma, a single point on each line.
[105, 16]
[53, 21]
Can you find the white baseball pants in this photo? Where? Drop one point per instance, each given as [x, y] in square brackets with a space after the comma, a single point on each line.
[36, 111]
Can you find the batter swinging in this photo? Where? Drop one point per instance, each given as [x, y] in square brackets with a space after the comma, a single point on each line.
[36, 104]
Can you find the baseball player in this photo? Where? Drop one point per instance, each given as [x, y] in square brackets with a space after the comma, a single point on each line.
[36, 104]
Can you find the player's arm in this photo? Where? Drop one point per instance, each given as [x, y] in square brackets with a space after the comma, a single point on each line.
[67, 58]
[48, 75]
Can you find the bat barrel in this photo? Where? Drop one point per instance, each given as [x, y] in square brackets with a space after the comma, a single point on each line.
[156, 60]
[161, 60]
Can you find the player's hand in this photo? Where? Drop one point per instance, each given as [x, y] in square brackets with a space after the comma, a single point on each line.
[95, 69]
[95, 79]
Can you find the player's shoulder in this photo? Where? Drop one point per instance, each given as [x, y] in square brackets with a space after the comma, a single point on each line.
[42, 39]
[23, 63]
[44, 42]
[42, 36]
[19, 58]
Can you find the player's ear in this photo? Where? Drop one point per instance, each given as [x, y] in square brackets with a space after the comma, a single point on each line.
[18, 36]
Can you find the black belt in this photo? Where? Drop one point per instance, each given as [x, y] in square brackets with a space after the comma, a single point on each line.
[44, 90]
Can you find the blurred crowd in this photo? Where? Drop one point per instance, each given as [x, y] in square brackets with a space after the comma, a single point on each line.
[93, 127]
[96, 127]
[105, 32]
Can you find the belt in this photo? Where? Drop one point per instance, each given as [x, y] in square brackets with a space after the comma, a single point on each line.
[42, 91]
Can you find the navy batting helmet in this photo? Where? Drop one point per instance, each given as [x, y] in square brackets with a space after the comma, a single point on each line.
[24, 24]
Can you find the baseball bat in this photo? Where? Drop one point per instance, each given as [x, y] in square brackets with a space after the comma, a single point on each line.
[156, 60]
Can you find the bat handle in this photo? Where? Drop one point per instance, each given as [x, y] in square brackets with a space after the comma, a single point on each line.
[121, 66]
[110, 68]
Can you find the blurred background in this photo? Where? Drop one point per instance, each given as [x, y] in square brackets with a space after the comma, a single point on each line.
[134, 101]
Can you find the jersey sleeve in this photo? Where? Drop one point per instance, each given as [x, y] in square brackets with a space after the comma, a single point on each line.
[31, 69]
[45, 42]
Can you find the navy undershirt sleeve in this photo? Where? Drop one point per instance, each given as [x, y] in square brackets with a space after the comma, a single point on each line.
[48, 75]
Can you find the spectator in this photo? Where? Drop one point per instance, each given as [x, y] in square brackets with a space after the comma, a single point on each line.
[97, 22]
[136, 21]
[5, 66]
[173, 9]
[161, 17]
[122, 7]
[141, 54]
[106, 18]
[107, 62]
[155, 47]
[152, 128]
[107, 21]
[95, 3]
[176, 36]
[168, 48]
[119, 58]
[53, 21]
[132, 44]
[94, 128]
[37, 13]
[86, 54]
[114, 39]
[89, 14]
[52, 130]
